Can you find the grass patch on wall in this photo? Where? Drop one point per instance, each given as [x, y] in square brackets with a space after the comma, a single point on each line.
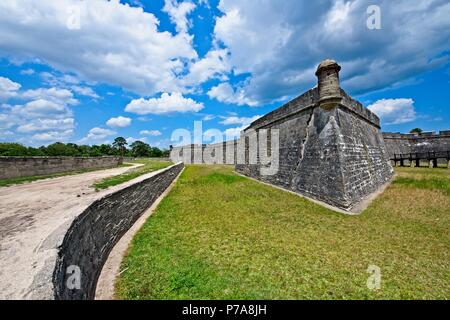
[218, 235]
[149, 165]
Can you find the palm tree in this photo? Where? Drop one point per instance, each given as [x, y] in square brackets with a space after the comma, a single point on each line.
[120, 143]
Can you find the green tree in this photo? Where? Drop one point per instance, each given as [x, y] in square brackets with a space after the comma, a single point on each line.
[156, 153]
[61, 149]
[166, 153]
[107, 150]
[13, 150]
[120, 144]
[416, 130]
[140, 149]
[35, 152]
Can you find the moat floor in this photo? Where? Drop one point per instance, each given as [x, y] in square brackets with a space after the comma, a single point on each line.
[222, 236]
[29, 215]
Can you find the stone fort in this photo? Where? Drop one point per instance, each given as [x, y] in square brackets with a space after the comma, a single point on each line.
[331, 148]
[412, 148]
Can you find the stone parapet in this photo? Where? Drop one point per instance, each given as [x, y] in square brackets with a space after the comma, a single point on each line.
[15, 167]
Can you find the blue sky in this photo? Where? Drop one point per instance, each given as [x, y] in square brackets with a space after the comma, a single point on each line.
[88, 71]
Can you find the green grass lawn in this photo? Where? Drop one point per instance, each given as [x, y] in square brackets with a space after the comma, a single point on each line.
[150, 165]
[218, 235]
[22, 180]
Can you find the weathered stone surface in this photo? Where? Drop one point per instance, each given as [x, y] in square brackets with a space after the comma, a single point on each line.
[331, 147]
[92, 235]
[14, 167]
[398, 143]
[83, 236]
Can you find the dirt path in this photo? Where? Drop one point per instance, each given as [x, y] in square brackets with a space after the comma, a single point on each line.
[30, 214]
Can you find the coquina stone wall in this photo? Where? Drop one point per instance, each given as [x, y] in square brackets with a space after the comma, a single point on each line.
[217, 153]
[398, 143]
[14, 167]
[331, 147]
[92, 235]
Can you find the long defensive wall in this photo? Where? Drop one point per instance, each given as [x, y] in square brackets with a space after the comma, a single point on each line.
[329, 146]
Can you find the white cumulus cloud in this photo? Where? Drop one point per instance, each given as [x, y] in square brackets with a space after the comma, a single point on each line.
[41, 115]
[119, 122]
[47, 124]
[178, 13]
[27, 72]
[56, 95]
[394, 111]
[167, 103]
[279, 43]
[214, 65]
[243, 122]
[41, 108]
[208, 117]
[8, 88]
[85, 91]
[130, 140]
[97, 135]
[112, 43]
[234, 133]
[53, 136]
[239, 120]
[153, 133]
[225, 93]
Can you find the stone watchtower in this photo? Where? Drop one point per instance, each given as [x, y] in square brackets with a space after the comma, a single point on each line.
[328, 84]
[331, 148]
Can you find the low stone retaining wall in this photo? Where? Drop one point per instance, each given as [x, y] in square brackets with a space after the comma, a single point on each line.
[92, 235]
[15, 167]
[130, 159]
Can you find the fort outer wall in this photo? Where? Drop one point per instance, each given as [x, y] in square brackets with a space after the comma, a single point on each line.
[86, 241]
[15, 167]
[398, 143]
[331, 147]
[217, 153]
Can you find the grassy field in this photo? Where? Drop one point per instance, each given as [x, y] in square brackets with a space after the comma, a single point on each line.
[22, 180]
[148, 166]
[221, 236]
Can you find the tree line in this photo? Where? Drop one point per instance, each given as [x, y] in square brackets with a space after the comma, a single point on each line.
[119, 147]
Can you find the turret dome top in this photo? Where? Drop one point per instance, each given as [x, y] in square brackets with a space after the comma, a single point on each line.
[328, 64]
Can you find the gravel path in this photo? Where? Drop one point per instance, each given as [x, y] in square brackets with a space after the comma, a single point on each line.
[30, 214]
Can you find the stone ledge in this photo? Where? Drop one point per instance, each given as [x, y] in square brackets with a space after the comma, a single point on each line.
[310, 100]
